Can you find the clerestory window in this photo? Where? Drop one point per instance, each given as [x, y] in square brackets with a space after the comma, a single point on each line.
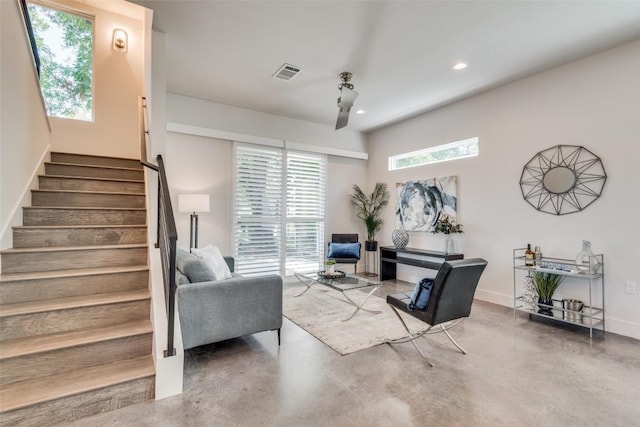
[439, 153]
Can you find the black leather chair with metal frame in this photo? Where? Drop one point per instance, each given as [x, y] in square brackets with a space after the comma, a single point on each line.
[450, 302]
[346, 238]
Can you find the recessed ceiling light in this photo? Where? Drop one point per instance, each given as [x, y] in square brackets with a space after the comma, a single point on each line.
[360, 112]
[460, 66]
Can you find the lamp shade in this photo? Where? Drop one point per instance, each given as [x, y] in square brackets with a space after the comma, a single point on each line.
[193, 203]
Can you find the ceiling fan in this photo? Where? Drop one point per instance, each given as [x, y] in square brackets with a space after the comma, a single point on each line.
[346, 99]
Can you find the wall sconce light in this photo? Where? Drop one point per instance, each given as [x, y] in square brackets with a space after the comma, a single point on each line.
[193, 203]
[120, 41]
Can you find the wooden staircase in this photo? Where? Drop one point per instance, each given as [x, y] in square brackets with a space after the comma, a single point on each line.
[75, 329]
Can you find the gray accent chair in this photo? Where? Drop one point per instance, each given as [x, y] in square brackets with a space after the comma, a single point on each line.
[216, 310]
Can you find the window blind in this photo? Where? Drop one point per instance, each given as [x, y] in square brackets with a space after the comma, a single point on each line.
[305, 208]
[279, 210]
[258, 210]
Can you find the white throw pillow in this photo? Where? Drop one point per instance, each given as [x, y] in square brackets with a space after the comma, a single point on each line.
[213, 258]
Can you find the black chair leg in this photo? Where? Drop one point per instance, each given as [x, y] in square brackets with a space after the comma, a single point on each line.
[278, 337]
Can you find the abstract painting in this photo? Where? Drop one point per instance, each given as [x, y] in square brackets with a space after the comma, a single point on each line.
[420, 204]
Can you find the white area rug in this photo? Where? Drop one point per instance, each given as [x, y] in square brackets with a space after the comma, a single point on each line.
[322, 313]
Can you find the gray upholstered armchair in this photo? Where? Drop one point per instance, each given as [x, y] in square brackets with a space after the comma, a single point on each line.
[217, 310]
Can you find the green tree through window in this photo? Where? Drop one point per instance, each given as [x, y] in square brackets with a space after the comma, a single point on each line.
[65, 46]
[439, 153]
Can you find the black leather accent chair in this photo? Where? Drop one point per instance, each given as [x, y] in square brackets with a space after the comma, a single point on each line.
[451, 297]
[346, 238]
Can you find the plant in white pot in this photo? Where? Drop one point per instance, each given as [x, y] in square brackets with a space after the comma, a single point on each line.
[448, 227]
[369, 208]
[330, 266]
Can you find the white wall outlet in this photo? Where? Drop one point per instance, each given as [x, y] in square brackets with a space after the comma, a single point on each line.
[630, 288]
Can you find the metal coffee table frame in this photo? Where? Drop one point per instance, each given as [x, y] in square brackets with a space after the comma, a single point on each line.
[349, 282]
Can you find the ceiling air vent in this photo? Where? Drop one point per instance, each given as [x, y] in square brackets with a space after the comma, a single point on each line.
[287, 72]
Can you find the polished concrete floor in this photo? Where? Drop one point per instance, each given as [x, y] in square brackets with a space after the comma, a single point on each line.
[517, 373]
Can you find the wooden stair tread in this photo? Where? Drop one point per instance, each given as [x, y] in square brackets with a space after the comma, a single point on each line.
[102, 193]
[39, 390]
[96, 156]
[40, 306]
[97, 178]
[99, 156]
[10, 277]
[37, 344]
[70, 248]
[75, 227]
[93, 166]
[88, 208]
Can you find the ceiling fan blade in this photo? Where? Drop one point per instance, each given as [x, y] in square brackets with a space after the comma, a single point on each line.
[347, 97]
[345, 102]
[343, 118]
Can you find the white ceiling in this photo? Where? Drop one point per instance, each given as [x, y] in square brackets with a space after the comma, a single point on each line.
[400, 52]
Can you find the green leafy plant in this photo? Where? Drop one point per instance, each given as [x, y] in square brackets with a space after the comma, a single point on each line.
[545, 284]
[369, 207]
[66, 68]
[330, 261]
[447, 226]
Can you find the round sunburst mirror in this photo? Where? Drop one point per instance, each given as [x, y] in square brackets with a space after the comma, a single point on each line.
[563, 179]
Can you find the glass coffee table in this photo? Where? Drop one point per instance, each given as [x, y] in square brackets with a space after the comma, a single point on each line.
[343, 284]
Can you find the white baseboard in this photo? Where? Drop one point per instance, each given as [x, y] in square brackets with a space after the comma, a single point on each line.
[15, 217]
[613, 325]
[494, 297]
[622, 327]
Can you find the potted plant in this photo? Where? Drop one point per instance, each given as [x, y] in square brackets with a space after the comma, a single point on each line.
[545, 285]
[447, 226]
[330, 266]
[369, 210]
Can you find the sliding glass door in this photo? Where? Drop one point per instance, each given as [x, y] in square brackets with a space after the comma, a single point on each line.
[279, 203]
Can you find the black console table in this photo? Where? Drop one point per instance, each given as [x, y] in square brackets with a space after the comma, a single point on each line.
[391, 256]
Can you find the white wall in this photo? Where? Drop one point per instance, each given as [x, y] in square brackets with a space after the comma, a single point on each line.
[118, 82]
[198, 164]
[201, 164]
[198, 112]
[594, 102]
[24, 130]
[342, 174]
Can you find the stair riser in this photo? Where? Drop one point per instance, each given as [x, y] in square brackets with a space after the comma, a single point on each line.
[88, 200]
[45, 216]
[50, 322]
[91, 172]
[82, 405]
[64, 260]
[70, 358]
[81, 159]
[79, 184]
[32, 238]
[63, 287]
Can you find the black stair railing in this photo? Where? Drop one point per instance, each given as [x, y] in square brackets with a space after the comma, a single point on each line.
[167, 235]
[32, 37]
